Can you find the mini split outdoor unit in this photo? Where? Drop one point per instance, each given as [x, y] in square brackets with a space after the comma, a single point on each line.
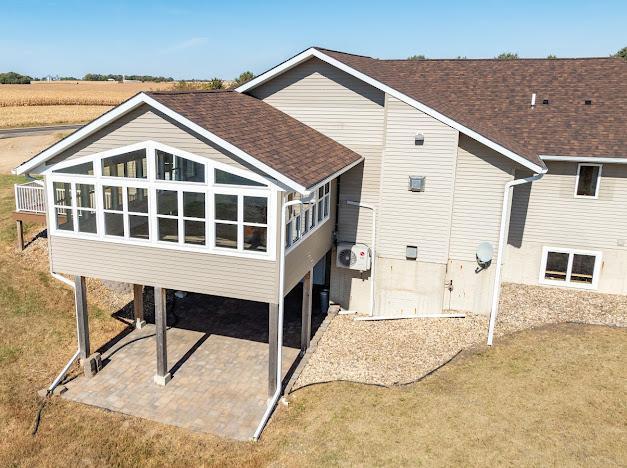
[353, 256]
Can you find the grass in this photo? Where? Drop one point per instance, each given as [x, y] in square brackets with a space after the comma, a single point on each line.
[551, 396]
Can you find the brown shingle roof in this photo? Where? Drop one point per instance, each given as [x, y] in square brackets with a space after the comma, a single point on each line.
[493, 97]
[264, 132]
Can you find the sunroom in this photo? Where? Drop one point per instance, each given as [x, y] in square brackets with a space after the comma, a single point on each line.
[219, 197]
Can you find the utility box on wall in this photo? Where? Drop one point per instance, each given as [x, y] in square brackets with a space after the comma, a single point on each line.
[417, 183]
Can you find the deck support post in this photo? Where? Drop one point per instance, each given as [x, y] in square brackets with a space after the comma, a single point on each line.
[162, 376]
[20, 234]
[138, 305]
[273, 350]
[305, 335]
[82, 323]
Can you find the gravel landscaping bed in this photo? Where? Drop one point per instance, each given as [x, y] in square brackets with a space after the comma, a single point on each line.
[392, 352]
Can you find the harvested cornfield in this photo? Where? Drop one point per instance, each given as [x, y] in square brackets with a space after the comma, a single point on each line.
[34, 116]
[73, 93]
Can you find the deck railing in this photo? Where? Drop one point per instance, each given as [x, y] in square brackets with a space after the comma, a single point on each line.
[30, 197]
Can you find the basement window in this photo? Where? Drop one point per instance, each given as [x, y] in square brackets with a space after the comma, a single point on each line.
[588, 181]
[569, 267]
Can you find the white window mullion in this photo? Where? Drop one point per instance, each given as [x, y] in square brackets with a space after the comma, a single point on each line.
[209, 221]
[181, 222]
[100, 226]
[152, 215]
[73, 205]
[125, 220]
[240, 222]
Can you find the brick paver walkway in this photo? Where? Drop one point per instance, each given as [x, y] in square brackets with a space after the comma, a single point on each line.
[218, 356]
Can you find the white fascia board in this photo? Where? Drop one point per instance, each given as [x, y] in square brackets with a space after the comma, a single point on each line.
[311, 52]
[585, 159]
[145, 99]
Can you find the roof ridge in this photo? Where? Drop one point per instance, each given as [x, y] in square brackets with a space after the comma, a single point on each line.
[191, 91]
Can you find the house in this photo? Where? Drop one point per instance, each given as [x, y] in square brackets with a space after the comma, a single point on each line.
[411, 187]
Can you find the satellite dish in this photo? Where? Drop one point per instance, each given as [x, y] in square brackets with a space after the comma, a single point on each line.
[485, 251]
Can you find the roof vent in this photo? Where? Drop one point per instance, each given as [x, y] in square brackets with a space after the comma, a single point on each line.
[588, 102]
[545, 101]
[533, 100]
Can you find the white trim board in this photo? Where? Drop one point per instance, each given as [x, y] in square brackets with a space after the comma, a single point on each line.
[135, 102]
[585, 159]
[312, 52]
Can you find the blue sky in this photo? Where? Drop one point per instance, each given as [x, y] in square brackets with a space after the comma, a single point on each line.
[187, 39]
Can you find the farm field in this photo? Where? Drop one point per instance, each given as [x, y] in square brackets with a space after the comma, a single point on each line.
[49, 103]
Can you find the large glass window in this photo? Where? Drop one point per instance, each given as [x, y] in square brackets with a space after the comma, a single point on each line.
[172, 167]
[155, 207]
[570, 267]
[133, 165]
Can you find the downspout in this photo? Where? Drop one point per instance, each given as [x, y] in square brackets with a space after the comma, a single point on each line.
[496, 291]
[372, 248]
[73, 359]
[277, 393]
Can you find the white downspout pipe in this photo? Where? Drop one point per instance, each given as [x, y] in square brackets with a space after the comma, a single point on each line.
[373, 252]
[73, 359]
[496, 291]
[279, 375]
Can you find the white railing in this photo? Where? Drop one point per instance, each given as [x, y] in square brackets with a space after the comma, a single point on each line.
[30, 197]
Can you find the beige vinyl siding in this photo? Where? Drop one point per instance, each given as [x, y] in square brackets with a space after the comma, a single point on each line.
[347, 110]
[220, 275]
[309, 251]
[480, 179]
[329, 100]
[416, 218]
[547, 211]
[144, 124]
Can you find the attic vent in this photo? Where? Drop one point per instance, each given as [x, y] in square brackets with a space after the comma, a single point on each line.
[545, 101]
[588, 102]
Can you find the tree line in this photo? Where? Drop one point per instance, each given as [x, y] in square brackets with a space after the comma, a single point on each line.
[622, 53]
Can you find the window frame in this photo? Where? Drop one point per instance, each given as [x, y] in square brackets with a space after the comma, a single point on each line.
[315, 206]
[269, 191]
[571, 254]
[598, 184]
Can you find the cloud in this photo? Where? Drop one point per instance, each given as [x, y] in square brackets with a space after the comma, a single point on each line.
[187, 44]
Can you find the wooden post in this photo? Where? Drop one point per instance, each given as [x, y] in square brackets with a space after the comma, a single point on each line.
[162, 376]
[273, 350]
[20, 234]
[305, 335]
[138, 305]
[82, 324]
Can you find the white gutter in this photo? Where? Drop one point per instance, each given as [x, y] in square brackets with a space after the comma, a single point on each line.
[496, 293]
[585, 159]
[279, 371]
[373, 252]
[73, 359]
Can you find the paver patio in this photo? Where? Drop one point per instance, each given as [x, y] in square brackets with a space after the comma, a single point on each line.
[218, 357]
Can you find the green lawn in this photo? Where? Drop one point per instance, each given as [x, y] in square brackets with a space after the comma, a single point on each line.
[551, 396]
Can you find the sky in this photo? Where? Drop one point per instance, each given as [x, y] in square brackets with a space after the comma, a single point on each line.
[186, 39]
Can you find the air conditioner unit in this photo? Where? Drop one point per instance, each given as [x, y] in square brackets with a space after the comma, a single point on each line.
[353, 256]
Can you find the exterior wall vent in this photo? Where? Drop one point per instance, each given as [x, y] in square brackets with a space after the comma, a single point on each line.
[419, 139]
[417, 183]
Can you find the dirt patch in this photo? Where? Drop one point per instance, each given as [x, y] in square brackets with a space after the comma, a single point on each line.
[14, 151]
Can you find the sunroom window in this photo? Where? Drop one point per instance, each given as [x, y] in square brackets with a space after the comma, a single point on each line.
[302, 218]
[63, 206]
[131, 165]
[172, 167]
[158, 196]
[227, 178]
